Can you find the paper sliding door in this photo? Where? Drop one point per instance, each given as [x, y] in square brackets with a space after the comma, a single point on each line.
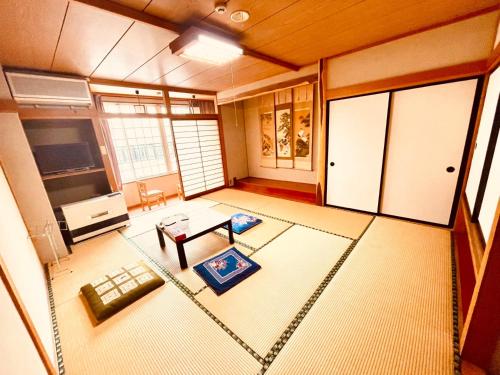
[426, 144]
[199, 155]
[356, 138]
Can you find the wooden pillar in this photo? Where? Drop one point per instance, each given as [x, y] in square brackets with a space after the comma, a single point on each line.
[481, 334]
[321, 175]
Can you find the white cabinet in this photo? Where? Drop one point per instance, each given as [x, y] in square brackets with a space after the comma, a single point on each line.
[357, 128]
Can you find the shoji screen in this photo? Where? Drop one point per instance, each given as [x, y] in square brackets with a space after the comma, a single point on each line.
[356, 137]
[199, 155]
[483, 143]
[427, 137]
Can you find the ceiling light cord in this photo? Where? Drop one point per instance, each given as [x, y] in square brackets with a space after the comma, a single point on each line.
[234, 96]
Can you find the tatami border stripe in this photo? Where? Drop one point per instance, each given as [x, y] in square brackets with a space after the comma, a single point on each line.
[55, 328]
[285, 336]
[192, 297]
[456, 333]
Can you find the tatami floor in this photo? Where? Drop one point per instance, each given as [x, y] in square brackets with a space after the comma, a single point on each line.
[338, 293]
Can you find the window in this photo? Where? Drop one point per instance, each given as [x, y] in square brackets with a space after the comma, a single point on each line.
[143, 146]
[200, 158]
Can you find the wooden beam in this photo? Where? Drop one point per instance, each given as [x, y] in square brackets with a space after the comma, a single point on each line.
[270, 59]
[312, 78]
[122, 10]
[414, 79]
[8, 105]
[149, 86]
[494, 59]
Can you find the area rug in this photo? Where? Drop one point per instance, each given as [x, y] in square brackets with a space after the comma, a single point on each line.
[243, 222]
[226, 270]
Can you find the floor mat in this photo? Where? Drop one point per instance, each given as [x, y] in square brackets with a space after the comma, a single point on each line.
[293, 265]
[387, 311]
[239, 198]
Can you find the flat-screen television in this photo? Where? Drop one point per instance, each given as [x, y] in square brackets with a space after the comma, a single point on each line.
[63, 157]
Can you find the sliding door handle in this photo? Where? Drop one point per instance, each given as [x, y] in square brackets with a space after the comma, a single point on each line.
[332, 164]
[450, 169]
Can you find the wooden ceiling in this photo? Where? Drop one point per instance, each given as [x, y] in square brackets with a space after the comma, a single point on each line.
[71, 37]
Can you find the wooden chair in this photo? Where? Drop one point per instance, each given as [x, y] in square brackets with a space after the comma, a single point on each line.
[150, 197]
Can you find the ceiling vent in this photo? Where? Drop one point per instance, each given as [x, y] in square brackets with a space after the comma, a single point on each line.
[29, 88]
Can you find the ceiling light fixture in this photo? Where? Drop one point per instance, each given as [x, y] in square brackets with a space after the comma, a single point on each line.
[240, 16]
[197, 45]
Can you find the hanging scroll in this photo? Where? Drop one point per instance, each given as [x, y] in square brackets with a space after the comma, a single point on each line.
[303, 127]
[267, 131]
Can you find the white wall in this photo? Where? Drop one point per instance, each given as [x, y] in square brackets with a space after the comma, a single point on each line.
[25, 269]
[167, 184]
[252, 128]
[20, 167]
[233, 123]
[19, 355]
[460, 42]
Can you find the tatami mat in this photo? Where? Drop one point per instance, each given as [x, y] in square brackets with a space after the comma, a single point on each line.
[146, 221]
[239, 198]
[387, 311]
[260, 308]
[342, 222]
[162, 333]
[196, 250]
[259, 235]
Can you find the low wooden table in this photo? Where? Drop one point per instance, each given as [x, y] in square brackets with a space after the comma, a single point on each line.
[201, 222]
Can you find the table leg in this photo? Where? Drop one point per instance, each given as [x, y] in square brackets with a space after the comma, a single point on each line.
[160, 237]
[230, 230]
[182, 255]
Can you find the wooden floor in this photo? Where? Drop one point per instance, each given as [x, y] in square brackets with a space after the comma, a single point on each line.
[296, 191]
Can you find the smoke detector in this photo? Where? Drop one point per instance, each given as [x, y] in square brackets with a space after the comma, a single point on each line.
[240, 16]
[220, 7]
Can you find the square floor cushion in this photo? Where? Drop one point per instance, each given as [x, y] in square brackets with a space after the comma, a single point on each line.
[120, 288]
[243, 222]
[226, 270]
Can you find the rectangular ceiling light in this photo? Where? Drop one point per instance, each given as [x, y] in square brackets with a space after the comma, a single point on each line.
[198, 45]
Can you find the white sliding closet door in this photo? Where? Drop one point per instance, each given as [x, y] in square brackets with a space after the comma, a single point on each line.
[427, 135]
[199, 155]
[483, 138]
[356, 138]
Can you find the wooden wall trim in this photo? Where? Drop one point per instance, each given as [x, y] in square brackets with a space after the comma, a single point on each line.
[56, 113]
[494, 59]
[8, 105]
[474, 237]
[149, 86]
[322, 147]
[306, 80]
[414, 79]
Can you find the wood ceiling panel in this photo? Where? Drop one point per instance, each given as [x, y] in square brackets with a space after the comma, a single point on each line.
[341, 41]
[309, 30]
[183, 72]
[135, 4]
[259, 11]
[157, 67]
[83, 45]
[29, 32]
[215, 71]
[140, 43]
[181, 11]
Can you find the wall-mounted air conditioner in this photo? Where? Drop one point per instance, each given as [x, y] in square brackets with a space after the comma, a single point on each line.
[29, 88]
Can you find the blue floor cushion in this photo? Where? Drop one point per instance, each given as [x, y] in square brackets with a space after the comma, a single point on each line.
[226, 270]
[243, 222]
